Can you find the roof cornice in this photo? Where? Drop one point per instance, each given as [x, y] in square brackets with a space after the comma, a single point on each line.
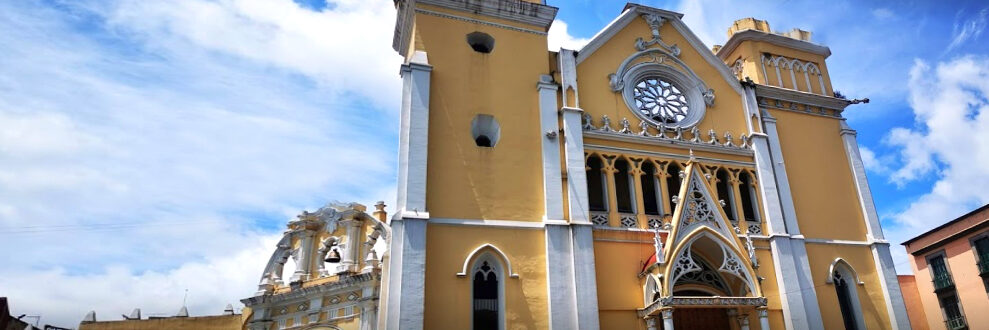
[513, 10]
[754, 35]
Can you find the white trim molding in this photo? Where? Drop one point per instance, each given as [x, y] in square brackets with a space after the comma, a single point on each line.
[838, 262]
[508, 263]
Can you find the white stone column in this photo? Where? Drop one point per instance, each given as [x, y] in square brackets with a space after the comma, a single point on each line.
[651, 323]
[353, 248]
[304, 261]
[743, 322]
[763, 319]
[667, 318]
[880, 248]
[403, 303]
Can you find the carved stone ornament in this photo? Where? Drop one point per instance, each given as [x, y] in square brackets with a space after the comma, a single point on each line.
[606, 124]
[625, 126]
[655, 23]
[588, 122]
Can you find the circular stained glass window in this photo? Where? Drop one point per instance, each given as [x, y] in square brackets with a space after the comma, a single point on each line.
[660, 100]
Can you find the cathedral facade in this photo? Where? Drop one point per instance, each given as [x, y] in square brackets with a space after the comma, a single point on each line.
[643, 181]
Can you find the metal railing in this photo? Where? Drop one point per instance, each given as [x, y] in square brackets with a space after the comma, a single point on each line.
[942, 281]
[983, 264]
[955, 323]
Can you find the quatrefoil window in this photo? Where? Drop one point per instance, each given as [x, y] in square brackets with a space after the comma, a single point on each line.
[660, 100]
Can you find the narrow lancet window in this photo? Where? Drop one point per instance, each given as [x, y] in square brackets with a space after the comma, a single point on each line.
[749, 203]
[725, 193]
[649, 198]
[486, 300]
[623, 186]
[595, 185]
[673, 180]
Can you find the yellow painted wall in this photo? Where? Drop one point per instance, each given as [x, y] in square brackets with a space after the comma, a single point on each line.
[871, 294]
[619, 289]
[463, 180]
[597, 98]
[448, 297]
[821, 182]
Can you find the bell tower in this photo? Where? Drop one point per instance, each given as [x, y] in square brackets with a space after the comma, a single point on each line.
[479, 165]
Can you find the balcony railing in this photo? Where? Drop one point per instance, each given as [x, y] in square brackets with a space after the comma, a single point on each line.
[984, 264]
[942, 282]
[955, 323]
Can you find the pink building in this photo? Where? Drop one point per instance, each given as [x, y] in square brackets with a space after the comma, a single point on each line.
[951, 265]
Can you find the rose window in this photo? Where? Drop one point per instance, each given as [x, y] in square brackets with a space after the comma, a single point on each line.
[659, 100]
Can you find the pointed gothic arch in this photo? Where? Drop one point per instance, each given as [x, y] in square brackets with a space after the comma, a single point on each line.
[840, 274]
[480, 251]
[733, 262]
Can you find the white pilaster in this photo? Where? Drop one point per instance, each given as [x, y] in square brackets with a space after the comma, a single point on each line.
[880, 249]
[403, 303]
[560, 277]
[576, 173]
[549, 133]
[413, 136]
[585, 278]
[796, 287]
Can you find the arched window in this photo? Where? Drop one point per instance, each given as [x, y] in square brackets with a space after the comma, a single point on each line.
[845, 281]
[650, 197]
[673, 179]
[595, 185]
[623, 186]
[749, 203]
[726, 194]
[487, 301]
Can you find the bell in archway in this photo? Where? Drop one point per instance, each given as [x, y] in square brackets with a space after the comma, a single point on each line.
[333, 256]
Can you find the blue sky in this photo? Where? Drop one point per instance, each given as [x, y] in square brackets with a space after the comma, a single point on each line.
[149, 147]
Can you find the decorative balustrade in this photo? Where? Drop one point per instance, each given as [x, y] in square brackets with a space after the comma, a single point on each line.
[661, 132]
[599, 218]
[754, 228]
[628, 220]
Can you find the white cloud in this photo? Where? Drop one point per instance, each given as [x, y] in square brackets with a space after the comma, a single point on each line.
[146, 147]
[969, 29]
[558, 37]
[211, 283]
[872, 163]
[951, 140]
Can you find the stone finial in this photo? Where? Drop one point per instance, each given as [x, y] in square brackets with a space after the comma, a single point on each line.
[728, 139]
[644, 128]
[625, 126]
[588, 122]
[713, 137]
[606, 124]
[229, 310]
[379, 211]
[183, 312]
[696, 133]
[90, 317]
